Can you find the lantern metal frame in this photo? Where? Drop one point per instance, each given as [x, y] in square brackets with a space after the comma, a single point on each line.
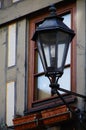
[53, 23]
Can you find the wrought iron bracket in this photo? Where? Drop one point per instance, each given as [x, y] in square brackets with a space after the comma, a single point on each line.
[77, 114]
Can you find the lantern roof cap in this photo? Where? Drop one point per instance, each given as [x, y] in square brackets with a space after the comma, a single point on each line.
[52, 22]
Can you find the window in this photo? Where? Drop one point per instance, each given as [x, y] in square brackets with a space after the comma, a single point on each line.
[11, 45]
[39, 84]
[44, 91]
[15, 1]
[10, 102]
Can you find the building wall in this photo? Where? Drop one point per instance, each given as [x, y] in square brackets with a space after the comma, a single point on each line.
[19, 72]
[81, 48]
[3, 34]
[22, 8]
[16, 73]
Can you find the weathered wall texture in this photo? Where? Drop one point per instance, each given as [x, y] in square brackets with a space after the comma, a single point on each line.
[20, 70]
[16, 73]
[22, 8]
[81, 47]
[2, 71]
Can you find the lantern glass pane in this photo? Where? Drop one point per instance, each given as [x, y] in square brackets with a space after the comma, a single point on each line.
[62, 45]
[48, 42]
[47, 52]
[40, 67]
[61, 48]
[67, 21]
[41, 54]
[52, 54]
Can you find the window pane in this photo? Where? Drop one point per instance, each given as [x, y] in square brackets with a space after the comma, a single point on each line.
[64, 81]
[15, 1]
[43, 89]
[67, 20]
[11, 45]
[10, 103]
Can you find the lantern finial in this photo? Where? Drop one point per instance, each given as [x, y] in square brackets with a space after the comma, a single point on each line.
[52, 10]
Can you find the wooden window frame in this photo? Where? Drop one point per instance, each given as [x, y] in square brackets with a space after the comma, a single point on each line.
[68, 7]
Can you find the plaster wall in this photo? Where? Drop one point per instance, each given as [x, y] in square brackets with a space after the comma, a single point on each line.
[3, 34]
[20, 70]
[16, 73]
[23, 8]
[81, 47]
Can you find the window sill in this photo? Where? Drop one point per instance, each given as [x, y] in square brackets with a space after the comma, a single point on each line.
[50, 103]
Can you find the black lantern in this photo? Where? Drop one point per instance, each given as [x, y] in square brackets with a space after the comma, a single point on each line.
[53, 38]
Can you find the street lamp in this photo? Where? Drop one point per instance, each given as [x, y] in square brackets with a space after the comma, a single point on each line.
[53, 38]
